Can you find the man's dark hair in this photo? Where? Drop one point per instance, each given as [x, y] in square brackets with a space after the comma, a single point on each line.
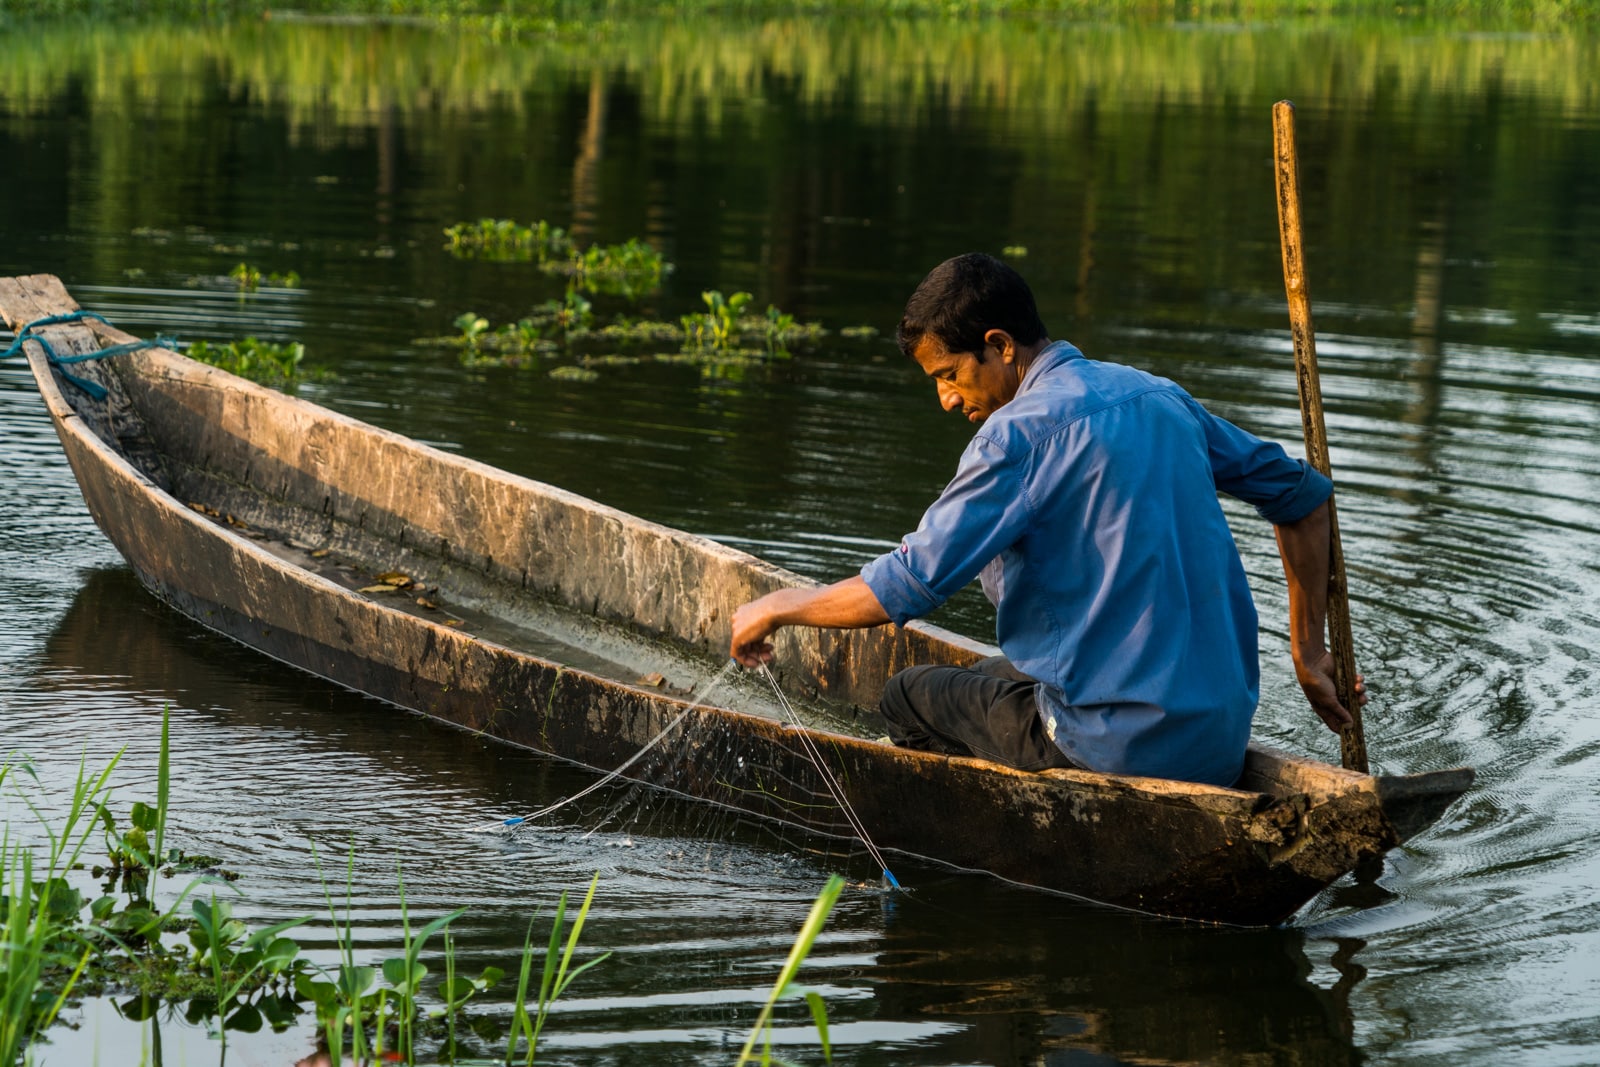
[964, 298]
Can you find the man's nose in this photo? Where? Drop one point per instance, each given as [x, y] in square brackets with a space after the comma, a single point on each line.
[949, 399]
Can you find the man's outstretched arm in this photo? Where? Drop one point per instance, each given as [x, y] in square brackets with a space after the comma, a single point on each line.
[841, 606]
[1305, 546]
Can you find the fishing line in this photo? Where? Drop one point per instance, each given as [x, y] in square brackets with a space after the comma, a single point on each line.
[611, 777]
[807, 745]
[828, 779]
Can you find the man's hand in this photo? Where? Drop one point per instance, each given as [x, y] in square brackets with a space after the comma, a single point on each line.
[1305, 548]
[842, 605]
[1316, 679]
[752, 625]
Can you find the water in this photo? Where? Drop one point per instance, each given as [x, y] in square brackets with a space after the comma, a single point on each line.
[1451, 198]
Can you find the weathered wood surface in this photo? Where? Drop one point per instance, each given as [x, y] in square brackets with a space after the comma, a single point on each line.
[1252, 855]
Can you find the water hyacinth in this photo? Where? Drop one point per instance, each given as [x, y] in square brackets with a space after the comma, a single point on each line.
[628, 269]
[278, 364]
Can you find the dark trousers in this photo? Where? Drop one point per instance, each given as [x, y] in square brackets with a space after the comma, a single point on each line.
[985, 710]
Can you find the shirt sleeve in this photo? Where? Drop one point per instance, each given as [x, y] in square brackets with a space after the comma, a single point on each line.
[982, 512]
[1260, 472]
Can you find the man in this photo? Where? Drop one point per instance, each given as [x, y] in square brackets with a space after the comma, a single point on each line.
[1087, 503]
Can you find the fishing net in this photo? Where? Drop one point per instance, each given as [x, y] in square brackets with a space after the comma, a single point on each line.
[784, 815]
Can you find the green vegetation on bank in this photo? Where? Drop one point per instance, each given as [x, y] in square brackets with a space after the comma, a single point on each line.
[1117, 124]
[336, 77]
[557, 16]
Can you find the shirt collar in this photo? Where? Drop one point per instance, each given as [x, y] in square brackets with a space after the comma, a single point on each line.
[1051, 356]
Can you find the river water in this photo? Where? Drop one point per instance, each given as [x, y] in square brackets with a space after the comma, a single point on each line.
[1452, 199]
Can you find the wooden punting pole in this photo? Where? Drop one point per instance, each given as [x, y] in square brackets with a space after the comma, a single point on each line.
[1352, 739]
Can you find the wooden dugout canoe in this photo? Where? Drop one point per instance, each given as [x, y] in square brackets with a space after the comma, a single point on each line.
[265, 517]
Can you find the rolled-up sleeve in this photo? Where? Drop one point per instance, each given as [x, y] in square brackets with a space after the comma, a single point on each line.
[983, 511]
[1259, 472]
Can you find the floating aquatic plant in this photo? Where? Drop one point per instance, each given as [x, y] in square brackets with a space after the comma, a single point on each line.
[551, 326]
[725, 334]
[725, 326]
[267, 362]
[249, 278]
[234, 960]
[472, 326]
[506, 239]
[625, 269]
[571, 315]
[714, 327]
[640, 331]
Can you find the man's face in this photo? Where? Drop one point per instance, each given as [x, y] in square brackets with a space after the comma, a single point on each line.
[975, 387]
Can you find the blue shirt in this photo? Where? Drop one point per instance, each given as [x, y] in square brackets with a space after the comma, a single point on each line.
[1089, 505]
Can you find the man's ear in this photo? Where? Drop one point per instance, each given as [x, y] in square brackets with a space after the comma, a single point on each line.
[1002, 342]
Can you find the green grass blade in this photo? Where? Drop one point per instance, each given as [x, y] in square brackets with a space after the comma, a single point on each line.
[438, 924]
[546, 984]
[819, 1015]
[584, 967]
[808, 932]
[797, 954]
[548, 978]
[521, 1026]
[572, 939]
[163, 796]
[266, 934]
[408, 1002]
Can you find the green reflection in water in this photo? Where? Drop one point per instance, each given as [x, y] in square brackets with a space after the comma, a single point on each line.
[1149, 123]
[901, 67]
[506, 17]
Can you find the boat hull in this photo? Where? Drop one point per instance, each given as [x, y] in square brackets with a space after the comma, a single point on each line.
[200, 480]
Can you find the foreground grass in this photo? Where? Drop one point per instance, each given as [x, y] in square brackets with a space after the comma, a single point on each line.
[56, 944]
[41, 956]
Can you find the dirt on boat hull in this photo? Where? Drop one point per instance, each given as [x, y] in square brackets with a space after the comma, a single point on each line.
[256, 514]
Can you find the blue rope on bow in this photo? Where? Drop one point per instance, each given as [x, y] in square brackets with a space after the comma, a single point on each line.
[94, 389]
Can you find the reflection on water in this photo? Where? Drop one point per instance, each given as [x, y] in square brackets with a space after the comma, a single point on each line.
[1451, 185]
